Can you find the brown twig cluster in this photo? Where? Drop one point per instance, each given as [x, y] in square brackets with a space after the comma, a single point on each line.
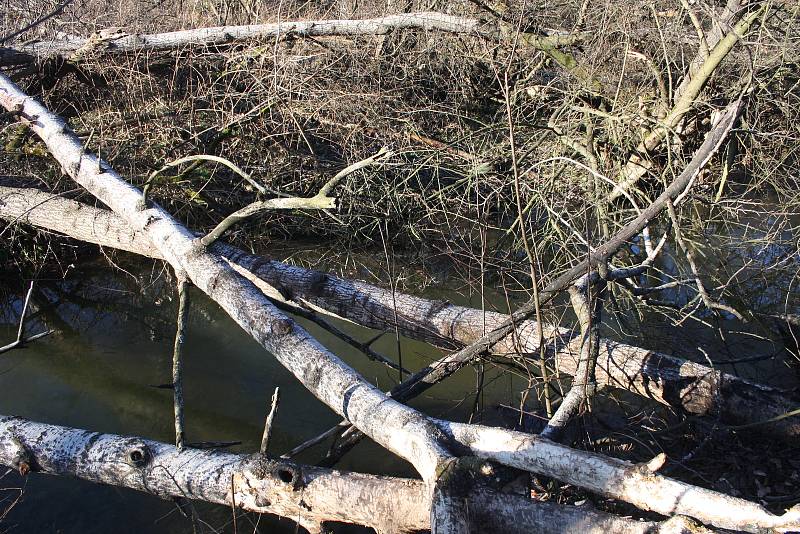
[540, 149]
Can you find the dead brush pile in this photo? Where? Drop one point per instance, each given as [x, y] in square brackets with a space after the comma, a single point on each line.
[291, 111]
[517, 147]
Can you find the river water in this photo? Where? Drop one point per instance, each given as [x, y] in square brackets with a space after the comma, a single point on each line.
[115, 325]
[113, 343]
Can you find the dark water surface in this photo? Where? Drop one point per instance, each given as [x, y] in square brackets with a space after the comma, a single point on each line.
[114, 342]
[115, 330]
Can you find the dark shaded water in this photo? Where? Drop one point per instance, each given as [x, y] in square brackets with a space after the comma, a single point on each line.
[115, 330]
[114, 343]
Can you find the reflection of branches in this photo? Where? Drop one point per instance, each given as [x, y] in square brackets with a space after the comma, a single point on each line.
[11, 490]
[690, 258]
[437, 184]
[70, 302]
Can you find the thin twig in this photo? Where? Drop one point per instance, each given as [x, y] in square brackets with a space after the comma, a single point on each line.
[341, 427]
[382, 154]
[393, 288]
[365, 347]
[43, 18]
[233, 503]
[21, 340]
[270, 418]
[320, 201]
[200, 157]
[177, 364]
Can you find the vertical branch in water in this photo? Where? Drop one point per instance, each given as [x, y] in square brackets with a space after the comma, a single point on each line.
[532, 253]
[177, 353]
[270, 420]
[21, 339]
[481, 371]
[393, 288]
[23, 313]
[587, 301]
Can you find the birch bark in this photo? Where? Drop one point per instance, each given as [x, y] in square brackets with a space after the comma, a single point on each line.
[422, 441]
[600, 474]
[306, 494]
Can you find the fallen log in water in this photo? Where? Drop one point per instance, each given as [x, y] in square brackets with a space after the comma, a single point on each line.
[599, 474]
[398, 428]
[434, 448]
[308, 495]
[669, 380]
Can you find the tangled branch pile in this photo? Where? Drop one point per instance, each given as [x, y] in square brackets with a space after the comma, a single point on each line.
[642, 157]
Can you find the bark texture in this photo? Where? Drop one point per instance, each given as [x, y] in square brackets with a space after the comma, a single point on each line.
[422, 441]
[400, 429]
[619, 479]
[224, 35]
[306, 494]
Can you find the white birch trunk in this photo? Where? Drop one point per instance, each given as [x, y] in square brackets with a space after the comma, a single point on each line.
[619, 479]
[597, 473]
[226, 35]
[305, 494]
[120, 42]
[393, 425]
[400, 429]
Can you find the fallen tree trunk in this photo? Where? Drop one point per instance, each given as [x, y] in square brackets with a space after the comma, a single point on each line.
[679, 383]
[120, 42]
[599, 474]
[638, 482]
[423, 441]
[400, 429]
[308, 495]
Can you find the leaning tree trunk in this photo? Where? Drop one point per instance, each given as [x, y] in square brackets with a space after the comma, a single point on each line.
[398, 428]
[692, 387]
